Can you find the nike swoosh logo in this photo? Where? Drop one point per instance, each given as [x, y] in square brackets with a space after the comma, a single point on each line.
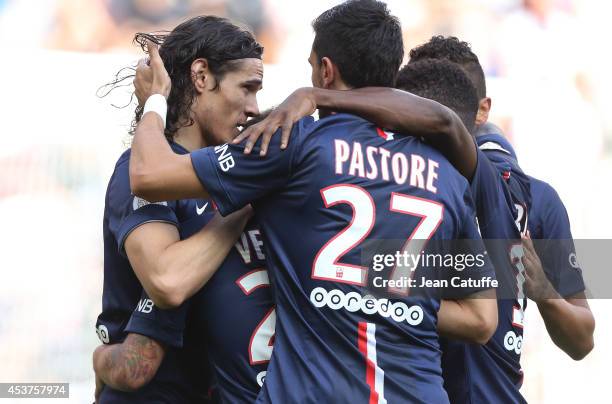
[201, 210]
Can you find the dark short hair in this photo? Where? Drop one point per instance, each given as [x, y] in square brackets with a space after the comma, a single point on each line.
[363, 39]
[444, 82]
[215, 39]
[460, 52]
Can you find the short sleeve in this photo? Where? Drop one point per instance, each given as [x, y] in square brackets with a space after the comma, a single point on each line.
[234, 179]
[126, 211]
[556, 249]
[165, 326]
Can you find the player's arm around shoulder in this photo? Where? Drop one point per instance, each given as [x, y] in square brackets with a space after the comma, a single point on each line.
[129, 365]
[388, 108]
[170, 269]
[405, 112]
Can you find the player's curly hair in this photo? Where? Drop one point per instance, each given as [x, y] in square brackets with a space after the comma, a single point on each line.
[457, 51]
[444, 82]
[213, 38]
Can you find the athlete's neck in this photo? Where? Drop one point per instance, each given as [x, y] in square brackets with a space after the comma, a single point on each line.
[337, 84]
[487, 128]
[190, 137]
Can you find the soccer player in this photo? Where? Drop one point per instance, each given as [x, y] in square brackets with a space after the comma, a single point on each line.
[568, 319]
[555, 282]
[173, 248]
[235, 337]
[339, 182]
[446, 83]
[495, 204]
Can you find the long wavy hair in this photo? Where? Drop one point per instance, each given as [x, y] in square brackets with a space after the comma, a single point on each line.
[215, 39]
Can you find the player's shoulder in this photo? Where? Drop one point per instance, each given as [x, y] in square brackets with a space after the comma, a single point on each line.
[546, 205]
[495, 148]
[337, 123]
[354, 128]
[123, 160]
[452, 187]
[543, 190]
[119, 183]
[499, 151]
[122, 165]
[318, 133]
[493, 144]
[455, 184]
[118, 188]
[446, 171]
[449, 179]
[490, 137]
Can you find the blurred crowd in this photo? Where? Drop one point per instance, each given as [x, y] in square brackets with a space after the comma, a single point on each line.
[109, 25]
[542, 51]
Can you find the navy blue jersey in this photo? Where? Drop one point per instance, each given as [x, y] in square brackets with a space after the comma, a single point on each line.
[124, 212]
[340, 183]
[492, 373]
[548, 221]
[236, 315]
[230, 321]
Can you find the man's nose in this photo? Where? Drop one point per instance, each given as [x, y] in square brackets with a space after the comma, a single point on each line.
[252, 108]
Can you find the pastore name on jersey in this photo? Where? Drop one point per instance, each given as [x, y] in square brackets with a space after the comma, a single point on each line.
[380, 163]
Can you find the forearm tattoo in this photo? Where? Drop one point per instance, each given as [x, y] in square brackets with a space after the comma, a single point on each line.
[135, 361]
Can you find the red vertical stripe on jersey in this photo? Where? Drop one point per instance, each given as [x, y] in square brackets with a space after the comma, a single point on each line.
[363, 348]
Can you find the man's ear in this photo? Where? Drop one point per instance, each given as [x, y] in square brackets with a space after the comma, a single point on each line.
[328, 72]
[484, 106]
[201, 76]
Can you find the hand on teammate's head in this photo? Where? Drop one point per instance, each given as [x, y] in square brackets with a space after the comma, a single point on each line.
[142, 81]
[160, 83]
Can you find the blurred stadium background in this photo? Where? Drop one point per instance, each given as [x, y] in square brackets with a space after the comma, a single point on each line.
[549, 76]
